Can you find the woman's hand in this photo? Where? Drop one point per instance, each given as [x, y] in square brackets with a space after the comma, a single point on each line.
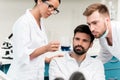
[47, 60]
[53, 46]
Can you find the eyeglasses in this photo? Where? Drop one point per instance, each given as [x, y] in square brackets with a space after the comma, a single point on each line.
[55, 10]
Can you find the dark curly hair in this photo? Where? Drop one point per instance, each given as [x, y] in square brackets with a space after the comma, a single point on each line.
[83, 28]
[46, 0]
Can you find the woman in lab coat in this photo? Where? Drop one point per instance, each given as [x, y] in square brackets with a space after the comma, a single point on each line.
[30, 42]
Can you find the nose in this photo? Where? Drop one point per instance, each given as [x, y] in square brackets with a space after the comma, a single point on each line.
[51, 11]
[92, 28]
[80, 42]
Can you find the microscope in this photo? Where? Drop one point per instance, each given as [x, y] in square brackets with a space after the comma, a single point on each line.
[7, 47]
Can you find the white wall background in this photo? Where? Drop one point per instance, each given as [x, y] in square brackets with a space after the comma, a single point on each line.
[10, 10]
[56, 26]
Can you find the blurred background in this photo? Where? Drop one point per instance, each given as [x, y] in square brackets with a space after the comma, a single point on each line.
[57, 26]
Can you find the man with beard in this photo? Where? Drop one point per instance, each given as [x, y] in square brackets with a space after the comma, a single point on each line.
[77, 59]
[107, 31]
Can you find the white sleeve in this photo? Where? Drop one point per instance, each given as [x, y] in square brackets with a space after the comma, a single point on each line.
[21, 42]
[99, 71]
[54, 70]
[104, 55]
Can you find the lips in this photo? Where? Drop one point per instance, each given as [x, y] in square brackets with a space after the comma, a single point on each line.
[48, 14]
[78, 48]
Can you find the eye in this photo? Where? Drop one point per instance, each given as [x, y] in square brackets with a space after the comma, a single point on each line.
[51, 6]
[77, 39]
[86, 40]
[88, 24]
[94, 22]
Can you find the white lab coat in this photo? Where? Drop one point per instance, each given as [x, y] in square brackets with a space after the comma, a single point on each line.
[63, 67]
[107, 51]
[27, 36]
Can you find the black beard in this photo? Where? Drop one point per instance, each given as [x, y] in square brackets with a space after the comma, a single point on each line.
[78, 51]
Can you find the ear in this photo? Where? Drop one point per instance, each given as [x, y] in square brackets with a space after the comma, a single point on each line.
[106, 21]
